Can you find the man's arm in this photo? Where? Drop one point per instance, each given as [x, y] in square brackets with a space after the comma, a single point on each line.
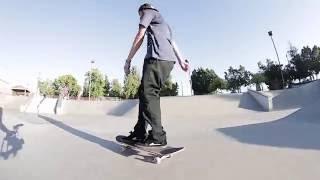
[176, 51]
[137, 42]
[135, 47]
[145, 20]
[183, 63]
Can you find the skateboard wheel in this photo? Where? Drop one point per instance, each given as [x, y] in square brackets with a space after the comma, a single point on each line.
[156, 160]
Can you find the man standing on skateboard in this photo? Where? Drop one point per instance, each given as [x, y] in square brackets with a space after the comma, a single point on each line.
[158, 63]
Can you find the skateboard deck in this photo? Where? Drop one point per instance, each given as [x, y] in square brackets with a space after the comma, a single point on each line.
[158, 153]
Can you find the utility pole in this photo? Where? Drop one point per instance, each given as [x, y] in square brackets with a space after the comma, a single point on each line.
[182, 88]
[270, 34]
[91, 65]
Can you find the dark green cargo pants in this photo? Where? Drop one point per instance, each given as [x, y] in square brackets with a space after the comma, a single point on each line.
[155, 73]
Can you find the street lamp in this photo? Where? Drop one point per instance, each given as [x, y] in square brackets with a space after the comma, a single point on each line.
[91, 63]
[189, 77]
[181, 88]
[38, 84]
[270, 34]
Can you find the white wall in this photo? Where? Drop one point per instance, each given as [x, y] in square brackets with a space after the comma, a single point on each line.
[264, 100]
[4, 87]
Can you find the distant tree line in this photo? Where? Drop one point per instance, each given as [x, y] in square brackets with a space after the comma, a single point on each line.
[100, 86]
[302, 66]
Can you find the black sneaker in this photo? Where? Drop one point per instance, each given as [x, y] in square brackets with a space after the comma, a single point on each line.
[150, 142]
[132, 138]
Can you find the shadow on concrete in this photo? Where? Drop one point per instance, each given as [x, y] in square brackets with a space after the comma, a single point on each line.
[12, 143]
[248, 102]
[123, 108]
[109, 145]
[300, 130]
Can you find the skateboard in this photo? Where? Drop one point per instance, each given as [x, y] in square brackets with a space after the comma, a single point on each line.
[158, 153]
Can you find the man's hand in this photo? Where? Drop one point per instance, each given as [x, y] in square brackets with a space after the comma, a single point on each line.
[184, 65]
[135, 46]
[127, 66]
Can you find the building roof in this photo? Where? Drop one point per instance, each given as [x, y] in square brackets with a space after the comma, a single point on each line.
[20, 87]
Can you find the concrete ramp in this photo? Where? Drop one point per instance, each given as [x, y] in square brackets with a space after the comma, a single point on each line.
[47, 106]
[116, 108]
[208, 105]
[224, 136]
[296, 97]
[128, 107]
[33, 105]
[288, 98]
[13, 102]
[299, 130]
[179, 107]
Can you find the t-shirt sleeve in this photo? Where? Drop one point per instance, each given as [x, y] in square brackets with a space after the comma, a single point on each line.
[147, 17]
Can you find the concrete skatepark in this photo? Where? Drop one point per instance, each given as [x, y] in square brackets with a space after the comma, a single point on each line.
[254, 135]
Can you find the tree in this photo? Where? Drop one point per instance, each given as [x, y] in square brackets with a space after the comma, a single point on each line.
[169, 88]
[300, 63]
[272, 74]
[236, 78]
[303, 65]
[204, 81]
[220, 84]
[306, 57]
[46, 88]
[107, 86]
[289, 73]
[315, 60]
[258, 79]
[115, 89]
[69, 82]
[95, 80]
[131, 84]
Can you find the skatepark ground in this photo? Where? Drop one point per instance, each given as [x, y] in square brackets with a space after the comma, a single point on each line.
[227, 137]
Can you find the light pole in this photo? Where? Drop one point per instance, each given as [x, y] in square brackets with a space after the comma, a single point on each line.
[189, 77]
[190, 81]
[181, 88]
[38, 84]
[91, 64]
[270, 34]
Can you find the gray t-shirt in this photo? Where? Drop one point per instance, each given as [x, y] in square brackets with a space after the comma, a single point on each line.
[159, 36]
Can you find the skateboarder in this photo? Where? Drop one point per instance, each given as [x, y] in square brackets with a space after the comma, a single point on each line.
[158, 63]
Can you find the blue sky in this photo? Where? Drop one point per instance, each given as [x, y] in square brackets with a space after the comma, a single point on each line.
[62, 36]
